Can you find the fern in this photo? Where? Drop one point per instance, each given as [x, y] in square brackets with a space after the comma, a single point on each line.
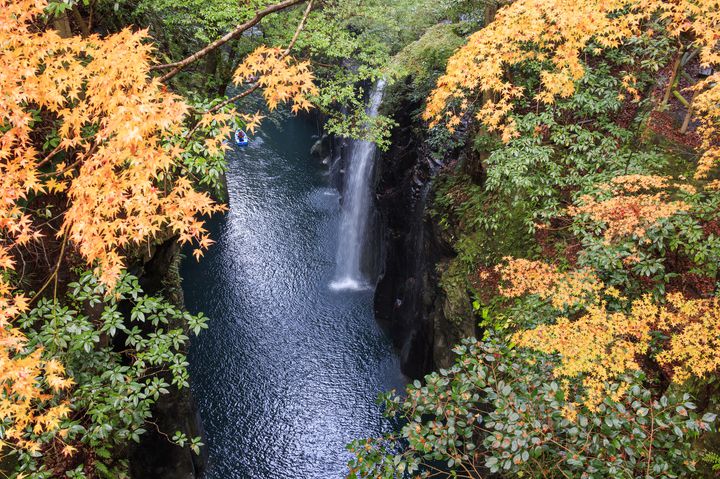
[713, 460]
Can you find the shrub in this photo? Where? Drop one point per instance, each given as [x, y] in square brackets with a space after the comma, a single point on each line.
[500, 410]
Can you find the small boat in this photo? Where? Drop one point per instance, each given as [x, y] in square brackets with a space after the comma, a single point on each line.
[241, 138]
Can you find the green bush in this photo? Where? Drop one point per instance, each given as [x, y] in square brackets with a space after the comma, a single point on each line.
[499, 410]
[123, 349]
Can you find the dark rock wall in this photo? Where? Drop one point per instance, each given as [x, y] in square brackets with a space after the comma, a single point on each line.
[409, 301]
[156, 457]
[407, 297]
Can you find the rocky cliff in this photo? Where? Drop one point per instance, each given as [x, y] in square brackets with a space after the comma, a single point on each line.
[155, 456]
[409, 301]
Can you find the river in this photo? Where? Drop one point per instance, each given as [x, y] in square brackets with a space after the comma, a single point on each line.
[289, 370]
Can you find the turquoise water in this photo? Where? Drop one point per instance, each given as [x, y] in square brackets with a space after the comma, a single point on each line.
[289, 370]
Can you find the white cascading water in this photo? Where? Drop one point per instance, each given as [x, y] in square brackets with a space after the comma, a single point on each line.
[357, 201]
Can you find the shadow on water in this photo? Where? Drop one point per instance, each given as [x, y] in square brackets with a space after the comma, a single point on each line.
[289, 371]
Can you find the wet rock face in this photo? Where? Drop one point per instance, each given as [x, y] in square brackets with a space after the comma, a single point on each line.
[408, 298]
[322, 148]
[424, 321]
[156, 457]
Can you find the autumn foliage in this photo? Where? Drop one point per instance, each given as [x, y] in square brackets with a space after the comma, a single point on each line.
[556, 33]
[83, 120]
[601, 332]
[586, 244]
[284, 80]
[118, 184]
[605, 343]
[631, 204]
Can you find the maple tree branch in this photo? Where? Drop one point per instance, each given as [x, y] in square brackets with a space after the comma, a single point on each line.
[177, 67]
[234, 98]
[652, 438]
[44, 252]
[49, 156]
[255, 86]
[63, 171]
[89, 153]
[671, 81]
[299, 28]
[689, 114]
[54, 274]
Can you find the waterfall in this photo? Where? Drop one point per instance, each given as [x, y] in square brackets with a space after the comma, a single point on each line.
[356, 205]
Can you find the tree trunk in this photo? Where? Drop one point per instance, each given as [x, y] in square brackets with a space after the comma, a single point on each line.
[211, 63]
[221, 77]
[62, 25]
[673, 76]
[490, 11]
[688, 115]
[80, 21]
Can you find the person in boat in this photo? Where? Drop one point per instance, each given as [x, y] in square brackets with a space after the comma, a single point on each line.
[241, 137]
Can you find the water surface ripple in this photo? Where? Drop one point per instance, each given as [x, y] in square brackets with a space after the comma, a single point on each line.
[289, 370]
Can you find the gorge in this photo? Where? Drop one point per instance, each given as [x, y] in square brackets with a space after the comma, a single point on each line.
[289, 372]
[463, 239]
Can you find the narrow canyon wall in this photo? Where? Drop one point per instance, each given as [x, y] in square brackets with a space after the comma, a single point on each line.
[409, 301]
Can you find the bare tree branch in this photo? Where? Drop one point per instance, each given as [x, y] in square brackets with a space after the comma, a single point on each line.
[299, 28]
[234, 98]
[285, 53]
[177, 67]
